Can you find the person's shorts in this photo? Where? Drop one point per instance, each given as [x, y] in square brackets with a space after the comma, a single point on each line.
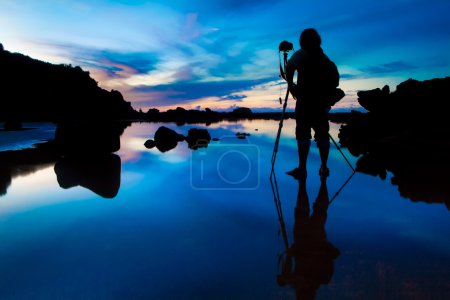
[307, 119]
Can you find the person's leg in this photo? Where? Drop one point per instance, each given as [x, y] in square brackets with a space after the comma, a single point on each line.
[321, 136]
[303, 136]
[324, 150]
[303, 146]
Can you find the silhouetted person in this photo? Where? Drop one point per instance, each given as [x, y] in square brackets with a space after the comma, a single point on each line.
[317, 79]
[310, 260]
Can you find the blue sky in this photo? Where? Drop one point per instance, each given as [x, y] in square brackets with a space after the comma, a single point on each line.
[222, 54]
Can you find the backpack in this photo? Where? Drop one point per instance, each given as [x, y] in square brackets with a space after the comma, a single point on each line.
[319, 79]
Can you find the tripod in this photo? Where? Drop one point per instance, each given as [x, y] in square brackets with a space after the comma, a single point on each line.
[280, 125]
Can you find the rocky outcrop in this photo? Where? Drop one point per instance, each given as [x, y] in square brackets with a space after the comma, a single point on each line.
[88, 138]
[404, 133]
[34, 90]
[412, 98]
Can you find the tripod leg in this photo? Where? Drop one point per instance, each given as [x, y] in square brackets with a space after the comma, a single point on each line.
[342, 153]
[280, 126]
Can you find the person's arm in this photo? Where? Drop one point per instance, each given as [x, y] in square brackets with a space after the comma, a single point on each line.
[292, 65]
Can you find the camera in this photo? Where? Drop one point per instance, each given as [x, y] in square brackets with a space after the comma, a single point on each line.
[285, 46]
[232, 165]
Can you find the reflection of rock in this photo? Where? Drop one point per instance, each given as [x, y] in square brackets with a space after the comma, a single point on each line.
[5, 180]
[166, 139]
[198, 138]
[419, 170]
[100, 174]
[90, 138]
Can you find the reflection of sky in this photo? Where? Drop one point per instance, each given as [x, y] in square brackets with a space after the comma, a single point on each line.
[224, 53]
[160, 237]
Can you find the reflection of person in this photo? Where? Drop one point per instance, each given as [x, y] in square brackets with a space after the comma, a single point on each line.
[310, 259]
[317, 79]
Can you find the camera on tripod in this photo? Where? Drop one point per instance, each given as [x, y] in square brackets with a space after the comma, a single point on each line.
[285, 46]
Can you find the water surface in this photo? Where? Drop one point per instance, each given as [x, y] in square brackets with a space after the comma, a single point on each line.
[203, 224]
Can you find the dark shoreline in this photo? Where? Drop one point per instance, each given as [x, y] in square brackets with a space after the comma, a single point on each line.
[201, 117]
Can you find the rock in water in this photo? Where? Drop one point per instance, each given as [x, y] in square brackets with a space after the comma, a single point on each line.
[242, 135]
[149, 144]
[166, 139]
[198, 138]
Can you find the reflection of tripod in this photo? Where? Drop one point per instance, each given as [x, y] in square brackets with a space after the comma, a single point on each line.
[284, 47]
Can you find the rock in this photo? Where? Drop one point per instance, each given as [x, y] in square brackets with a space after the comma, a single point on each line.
[89, 137]
[166, 139]
[198, 138]
[149, 144]
[12, 125]
[374, 100]
[242, 135]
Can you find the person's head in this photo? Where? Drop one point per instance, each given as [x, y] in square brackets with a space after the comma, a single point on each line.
[310, 39]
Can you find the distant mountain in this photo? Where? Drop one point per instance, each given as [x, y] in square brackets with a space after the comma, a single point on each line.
[35, 90]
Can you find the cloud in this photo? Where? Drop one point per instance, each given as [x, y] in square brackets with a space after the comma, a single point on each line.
[392, 67]
[348, 76]
[237, 98]
[112, 62]
[184, 92]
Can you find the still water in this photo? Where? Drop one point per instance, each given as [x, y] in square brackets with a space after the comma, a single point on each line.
[203, 224]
